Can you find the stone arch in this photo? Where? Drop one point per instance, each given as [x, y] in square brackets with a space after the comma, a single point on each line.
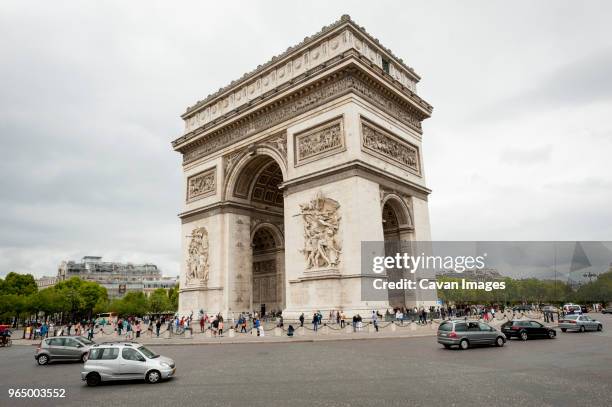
[279, 238]
[252, 160]
[400, 210]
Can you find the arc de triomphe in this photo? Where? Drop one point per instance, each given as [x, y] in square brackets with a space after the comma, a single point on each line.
[288, 169]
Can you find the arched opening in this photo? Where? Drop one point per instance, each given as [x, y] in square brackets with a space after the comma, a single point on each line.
[397, 229]
[257, 186]
[268, 258]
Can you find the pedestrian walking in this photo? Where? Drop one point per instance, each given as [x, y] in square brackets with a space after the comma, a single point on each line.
[157, 326]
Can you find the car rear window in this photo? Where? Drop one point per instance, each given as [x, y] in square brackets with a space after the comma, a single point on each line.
[103, 353]
[446, 326]
[460, 327]
[570, 317]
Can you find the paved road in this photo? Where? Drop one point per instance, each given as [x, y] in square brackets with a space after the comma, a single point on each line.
[574, 369]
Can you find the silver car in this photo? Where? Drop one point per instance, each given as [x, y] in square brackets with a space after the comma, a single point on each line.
[464, 334]
[125, 361]
[579, 323]
[62, 348]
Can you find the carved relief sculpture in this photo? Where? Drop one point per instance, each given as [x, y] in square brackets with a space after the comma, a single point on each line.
[319, 142]
[197, 261]
[321, 223]
[201, 185]
[389, 147]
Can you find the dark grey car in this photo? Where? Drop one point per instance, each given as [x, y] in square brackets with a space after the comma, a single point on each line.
[63, 348]
[464, 334]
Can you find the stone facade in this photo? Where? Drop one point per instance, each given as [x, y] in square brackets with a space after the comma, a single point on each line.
[290, 168]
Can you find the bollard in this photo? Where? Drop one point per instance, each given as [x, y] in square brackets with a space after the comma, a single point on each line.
[393, 327]
[324, 330]
[187, 333]
[278, 331]
[253, 332]
[232, 332]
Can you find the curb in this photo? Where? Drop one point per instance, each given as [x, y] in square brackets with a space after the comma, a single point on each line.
[284, 340]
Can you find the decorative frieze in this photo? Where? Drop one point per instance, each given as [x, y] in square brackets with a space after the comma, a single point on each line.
[318, 142]
[202, 184]
[321, 223]
[313, 51]
[389, 147]
[197, 260]
[302, 101]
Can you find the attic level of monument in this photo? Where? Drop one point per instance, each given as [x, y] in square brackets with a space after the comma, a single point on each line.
[317, 56]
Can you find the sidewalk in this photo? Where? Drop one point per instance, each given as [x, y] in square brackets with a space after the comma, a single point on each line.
[387, 330]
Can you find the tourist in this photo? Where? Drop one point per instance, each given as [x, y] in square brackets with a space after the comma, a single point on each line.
[150, 329]
[138, 328]
[375, 320]
[315, 322]
[243, 324]
[342, 318]
[290, 330]
[128, 330]
[202, 323]
[90, 332]
[220, 319]
[157, 326]
[302, 319]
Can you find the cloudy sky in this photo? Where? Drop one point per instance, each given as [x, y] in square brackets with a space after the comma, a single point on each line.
[519, 146]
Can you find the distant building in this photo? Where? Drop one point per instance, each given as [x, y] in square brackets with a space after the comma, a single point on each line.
[46, 282]
[117, 278]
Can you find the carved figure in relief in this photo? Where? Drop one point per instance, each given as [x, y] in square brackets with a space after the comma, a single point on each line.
[321, 224]
[197, 263]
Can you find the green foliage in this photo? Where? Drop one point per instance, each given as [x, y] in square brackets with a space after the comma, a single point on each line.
[159, 301]
[20, 284]
[532, 290]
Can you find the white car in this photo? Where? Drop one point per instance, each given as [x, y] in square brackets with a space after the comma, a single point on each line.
[125, 361]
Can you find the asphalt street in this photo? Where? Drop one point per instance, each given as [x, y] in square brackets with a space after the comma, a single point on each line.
[573, 369]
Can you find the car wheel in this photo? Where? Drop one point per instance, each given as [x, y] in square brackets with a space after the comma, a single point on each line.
[84, 357]
[599, 327]
[524, 335]
[551, 334]
[464, 344]
[499, 342]
[153, 376]
[563, 330]
[582, 328]
[42, 360]
[93, 379]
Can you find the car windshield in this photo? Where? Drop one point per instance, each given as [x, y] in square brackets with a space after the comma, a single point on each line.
[571, 317]
[148, 353]
[85, 341]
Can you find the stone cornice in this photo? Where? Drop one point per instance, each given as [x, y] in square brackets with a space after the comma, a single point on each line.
[351, 76]
[334, 39]
[356, 168]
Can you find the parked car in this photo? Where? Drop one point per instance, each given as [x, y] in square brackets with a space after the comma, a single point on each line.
[549, 308]
[579, 323]
[607, 310]
[527, 329]
[522, 308]
[63, 348]
[125, 361]
[464, 334]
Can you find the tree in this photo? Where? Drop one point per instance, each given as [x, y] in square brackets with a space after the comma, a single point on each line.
[159, 301]
[20, 284]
